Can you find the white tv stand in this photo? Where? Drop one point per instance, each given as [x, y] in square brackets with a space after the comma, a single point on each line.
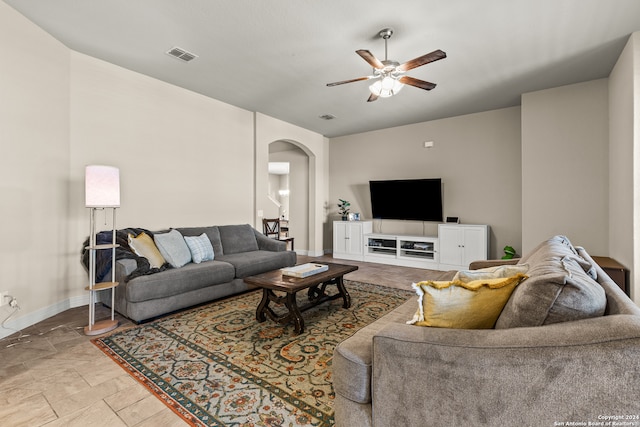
[453, 249]
[397, 249]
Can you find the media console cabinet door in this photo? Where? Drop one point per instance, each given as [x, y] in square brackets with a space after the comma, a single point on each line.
[462, 244]
[348, 239]
[450, 251]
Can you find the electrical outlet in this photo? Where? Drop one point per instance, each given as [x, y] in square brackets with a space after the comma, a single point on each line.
[3, 300]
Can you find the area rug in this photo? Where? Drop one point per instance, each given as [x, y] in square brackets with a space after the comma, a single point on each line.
[216, 366]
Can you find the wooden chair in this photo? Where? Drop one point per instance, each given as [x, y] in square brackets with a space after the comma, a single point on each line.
[271, 228]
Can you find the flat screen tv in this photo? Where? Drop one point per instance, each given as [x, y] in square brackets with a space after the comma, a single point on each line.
[407, 199]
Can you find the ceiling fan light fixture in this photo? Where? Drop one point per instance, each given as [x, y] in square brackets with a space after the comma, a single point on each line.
[390, 75]
[386, 87]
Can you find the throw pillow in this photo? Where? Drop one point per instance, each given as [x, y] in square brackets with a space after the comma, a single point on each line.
[173, 248]
[455, 304]
[200, 247]
[212, 233]
[497, 272]
[557, 246]
[559, 289]
[142, 245]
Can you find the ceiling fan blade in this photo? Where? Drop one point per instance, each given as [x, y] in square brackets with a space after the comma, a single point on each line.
[421, 60]
[372, 60]
[372, 98]
[349, 81]
[416, 82]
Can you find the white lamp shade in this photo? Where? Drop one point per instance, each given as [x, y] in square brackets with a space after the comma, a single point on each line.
[102, 187]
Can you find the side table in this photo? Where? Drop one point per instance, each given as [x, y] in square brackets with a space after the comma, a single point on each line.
[615, 270]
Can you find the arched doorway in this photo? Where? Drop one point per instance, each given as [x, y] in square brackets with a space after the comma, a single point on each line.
[288, 189]
[269, 130]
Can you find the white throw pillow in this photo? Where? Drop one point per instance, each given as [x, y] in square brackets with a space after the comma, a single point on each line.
[497, 272]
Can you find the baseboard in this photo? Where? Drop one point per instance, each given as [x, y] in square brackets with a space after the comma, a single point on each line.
[314, 253]
[306, 252]
[19, 323]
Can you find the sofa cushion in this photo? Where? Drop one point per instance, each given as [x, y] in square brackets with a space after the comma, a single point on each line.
[474, 304]
[173, 248]
[143, 245]
[256, 262]
[353, 358]
[560, 288]
[237, 238]
[212, 233]
[200, 248]
[179, 280]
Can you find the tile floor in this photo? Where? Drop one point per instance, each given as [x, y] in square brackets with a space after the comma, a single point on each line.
[52, 375]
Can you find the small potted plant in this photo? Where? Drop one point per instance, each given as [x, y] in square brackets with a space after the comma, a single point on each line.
[509, 252]
[343, 209]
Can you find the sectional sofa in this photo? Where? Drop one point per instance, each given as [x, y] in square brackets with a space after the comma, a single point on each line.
[565, 348]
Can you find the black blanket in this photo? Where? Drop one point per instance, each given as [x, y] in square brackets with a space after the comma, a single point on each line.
[103, 257]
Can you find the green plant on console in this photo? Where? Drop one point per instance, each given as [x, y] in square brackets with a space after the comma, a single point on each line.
[509, 252]
[343, 208]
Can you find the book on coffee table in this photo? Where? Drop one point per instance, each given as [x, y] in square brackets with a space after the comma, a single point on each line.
[304, 270]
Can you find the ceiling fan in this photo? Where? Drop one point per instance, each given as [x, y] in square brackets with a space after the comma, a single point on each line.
[390, 74]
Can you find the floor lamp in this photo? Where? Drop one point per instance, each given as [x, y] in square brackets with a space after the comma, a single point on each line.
[102, 192]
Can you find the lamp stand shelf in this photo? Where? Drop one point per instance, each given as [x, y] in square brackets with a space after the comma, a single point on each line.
[102, 326]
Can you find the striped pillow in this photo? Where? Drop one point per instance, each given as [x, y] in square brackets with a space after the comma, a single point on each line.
[200, 247]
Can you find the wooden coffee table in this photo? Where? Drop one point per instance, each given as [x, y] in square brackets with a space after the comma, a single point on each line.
[316, 284]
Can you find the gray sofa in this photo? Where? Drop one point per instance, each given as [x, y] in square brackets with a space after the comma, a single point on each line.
[550, 358]
[240, 251]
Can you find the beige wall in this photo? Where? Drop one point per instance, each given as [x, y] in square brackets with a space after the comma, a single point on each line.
[565, 165]
[184, 160]
[624, 140]
[477, 156]
[34, 169]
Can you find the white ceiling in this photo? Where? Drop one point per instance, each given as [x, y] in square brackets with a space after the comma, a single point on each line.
[276, 56]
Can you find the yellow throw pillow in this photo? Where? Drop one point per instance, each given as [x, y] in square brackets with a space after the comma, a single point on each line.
[455, 304]
[143, 246]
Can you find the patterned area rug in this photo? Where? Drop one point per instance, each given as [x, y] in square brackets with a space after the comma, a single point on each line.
[216, 366]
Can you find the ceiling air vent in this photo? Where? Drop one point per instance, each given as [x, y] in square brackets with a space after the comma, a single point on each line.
[181, 54]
